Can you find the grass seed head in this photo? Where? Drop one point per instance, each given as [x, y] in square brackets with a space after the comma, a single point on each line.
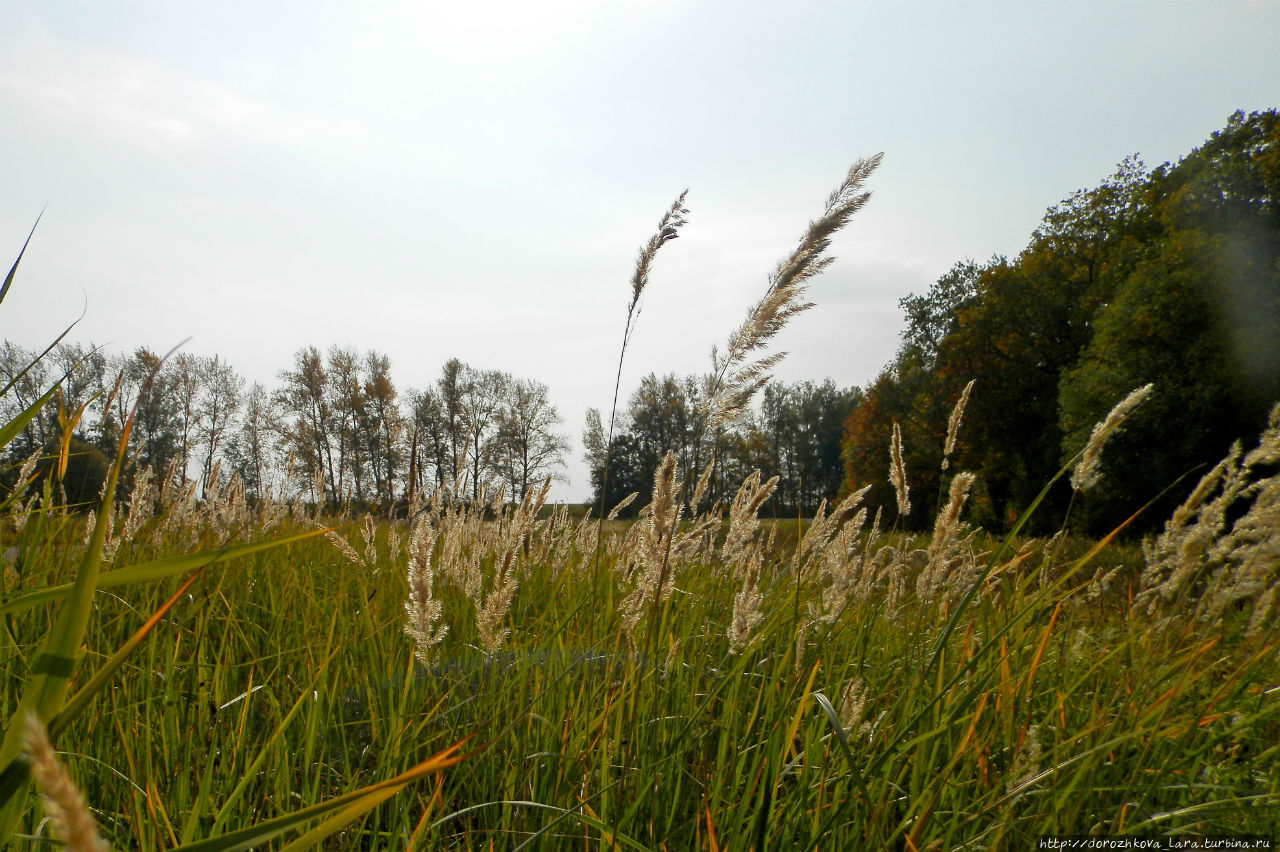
[898, 472]
[64, 804]
[1086, 473]
[953, 425]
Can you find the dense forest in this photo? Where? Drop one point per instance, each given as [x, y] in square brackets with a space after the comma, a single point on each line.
[1169, 276]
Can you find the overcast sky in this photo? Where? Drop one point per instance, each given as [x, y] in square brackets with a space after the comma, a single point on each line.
[472, 180]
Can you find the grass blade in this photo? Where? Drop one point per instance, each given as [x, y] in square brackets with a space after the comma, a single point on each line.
[369, 797]
[59, 654]
[8, 279]
[157, 569]
[15, 426]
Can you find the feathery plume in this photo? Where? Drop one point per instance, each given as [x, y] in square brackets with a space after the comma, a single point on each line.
[622, 504]
[735, 378]
[491, 613]
[743, 520]
[64, 804]
[953, 425]
[746, 603]
[668, 229]
[940, 572]
[423, 609]
[1221, 548]
[1085, 476]
[369, 533]
[662, 518]
[700, 488]
[1026, 761]
[344, 547]
[511, 539]
[898, 471]
[25, 477]
[140, 505]
[853, 707]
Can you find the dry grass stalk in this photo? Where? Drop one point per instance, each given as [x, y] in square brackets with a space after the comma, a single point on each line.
[950, 568]
[232, 510]
[141, 504]
[655, 535]
[24, 479]
[822, 529]
[369, 534]
[746, 603]
[90, 521]
[492, 612]
[700, 487]
[843, 572]
[511, 539]
[64, 804]
[423, 609]
[668, 229]
[1217, 563]
[622, 504]
[736, 378]
[1086, 473]
[1025, 767]
[344, 547]
[853, 707]
[898, 472]
[743, 520]
[180, 513]
[953, 425]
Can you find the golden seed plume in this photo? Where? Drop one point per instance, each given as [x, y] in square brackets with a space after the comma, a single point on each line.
[736, 379]
[1086, 474]
[898, 472]
[953, 425]
[69, 816]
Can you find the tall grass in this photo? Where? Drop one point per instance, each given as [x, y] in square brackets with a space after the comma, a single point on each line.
[692, 680]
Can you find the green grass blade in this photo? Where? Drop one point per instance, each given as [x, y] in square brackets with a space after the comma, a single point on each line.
[11, 429]
[252, 770]
[8, 279]
[157, 569]
[85, 694]
[17, 772]
[17, 378]
[59, 654]
[374, 794]
[608, 835]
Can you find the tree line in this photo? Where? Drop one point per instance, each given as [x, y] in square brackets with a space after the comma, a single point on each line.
[1169, 276]
[794, 434]
[334, 430]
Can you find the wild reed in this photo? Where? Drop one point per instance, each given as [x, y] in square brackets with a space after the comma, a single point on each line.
[735, 377]
[1087, 471]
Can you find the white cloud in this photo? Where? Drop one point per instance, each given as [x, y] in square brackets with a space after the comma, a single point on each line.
[133, 101]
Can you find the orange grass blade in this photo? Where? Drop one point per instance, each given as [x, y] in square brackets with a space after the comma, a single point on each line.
[85, 694]
[374, 794]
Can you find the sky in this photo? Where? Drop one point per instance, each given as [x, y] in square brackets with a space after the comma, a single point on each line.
[473, 180]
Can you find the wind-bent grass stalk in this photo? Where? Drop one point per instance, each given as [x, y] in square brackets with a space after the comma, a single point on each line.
[668, 229]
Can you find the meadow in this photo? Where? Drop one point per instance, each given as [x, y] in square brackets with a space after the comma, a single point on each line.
[222, 674]
[691, 685]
